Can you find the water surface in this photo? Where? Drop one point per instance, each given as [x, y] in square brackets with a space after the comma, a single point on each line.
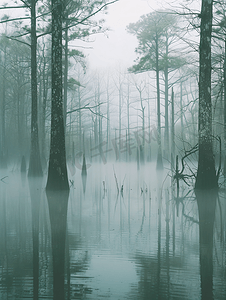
[119, 234]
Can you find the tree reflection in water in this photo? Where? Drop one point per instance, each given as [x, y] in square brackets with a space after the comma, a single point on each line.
[156, 272]
[162, 242]
[84, 179]
[58, 204]
[35, 187]
[206, 201]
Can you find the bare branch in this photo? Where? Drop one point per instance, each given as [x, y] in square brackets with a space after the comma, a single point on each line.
[25, 3]
[16, 19]
[14, 39]
[90, 108]
[9, 7]
[21, 35]
[84, 19]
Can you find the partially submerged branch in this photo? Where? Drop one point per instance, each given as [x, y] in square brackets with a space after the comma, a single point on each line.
[179, 174]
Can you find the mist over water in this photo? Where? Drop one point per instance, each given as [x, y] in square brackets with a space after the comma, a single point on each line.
[119, 107]
[126, 235]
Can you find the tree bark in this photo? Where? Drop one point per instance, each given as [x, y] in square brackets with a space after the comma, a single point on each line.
[43, 108]
[65, 72]
[57, 173]
[206, 175]
[225, 107]
[35, 167]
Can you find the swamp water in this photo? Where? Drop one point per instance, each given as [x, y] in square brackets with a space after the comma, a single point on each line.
[119, 234]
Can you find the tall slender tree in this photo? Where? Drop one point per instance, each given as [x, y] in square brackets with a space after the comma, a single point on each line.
[57, 171]
[206, 175]
[149, 31]
[156, 33]
[3, 157]
[35, 168]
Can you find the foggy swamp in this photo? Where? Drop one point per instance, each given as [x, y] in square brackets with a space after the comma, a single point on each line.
[112, 180]
[122, 233]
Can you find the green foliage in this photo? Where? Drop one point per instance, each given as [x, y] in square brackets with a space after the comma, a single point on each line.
[79, 57]
[76, 53]
[73, 84]
[4, 18]
[153, 31]
[77, 18]
[144, 64]
[172, 62]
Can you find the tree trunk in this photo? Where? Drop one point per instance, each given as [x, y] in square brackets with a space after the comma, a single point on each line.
[128, 121]
[149, 128]
[43, 109]
[3, 111]
[225, 107]
[108, 115]
[100, 130]
[80, 121]
[181, 111]
[159, 165]
[120, 116]
[57, 173]
[206, 175]
[172, 132]
[35, 167]
[65, 71]
[143, 130]
[166, 71]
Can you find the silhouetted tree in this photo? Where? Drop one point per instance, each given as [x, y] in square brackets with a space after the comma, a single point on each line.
[149, 33]
[206, 175]
[152, 32]
[35, 167]
[57, 171]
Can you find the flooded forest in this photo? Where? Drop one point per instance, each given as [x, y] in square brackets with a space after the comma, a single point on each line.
[112, 179]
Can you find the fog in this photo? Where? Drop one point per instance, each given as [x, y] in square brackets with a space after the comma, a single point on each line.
[116, 47]
[112, 150]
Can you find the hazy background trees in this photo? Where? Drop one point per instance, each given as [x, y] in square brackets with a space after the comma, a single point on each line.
[112, 114]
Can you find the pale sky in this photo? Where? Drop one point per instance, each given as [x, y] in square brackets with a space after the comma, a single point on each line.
[117, 47]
